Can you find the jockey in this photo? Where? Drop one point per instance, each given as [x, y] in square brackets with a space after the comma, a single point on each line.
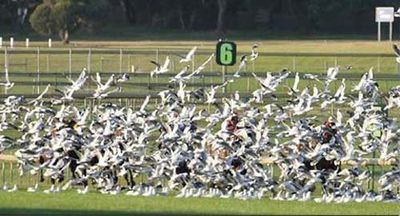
[231, 123]
[328, 132]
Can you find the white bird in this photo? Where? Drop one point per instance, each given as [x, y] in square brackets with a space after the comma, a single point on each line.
[101, 88]
[254, 53]
[7, 84]
[179, 77]
[295, 87]
[397, 52]
[201, 67]
[242, 65]
[160, 68]
[41, 95]
[189, 56]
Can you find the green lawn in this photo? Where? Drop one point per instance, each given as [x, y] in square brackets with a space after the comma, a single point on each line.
[69, 203]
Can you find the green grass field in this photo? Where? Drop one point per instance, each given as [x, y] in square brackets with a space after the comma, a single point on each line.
[71, 203]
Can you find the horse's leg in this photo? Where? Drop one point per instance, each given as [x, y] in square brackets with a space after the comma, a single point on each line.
[114, 177]
[41, 176]
[132, 182]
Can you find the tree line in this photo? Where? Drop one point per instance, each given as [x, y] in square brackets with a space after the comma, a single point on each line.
[63, 17]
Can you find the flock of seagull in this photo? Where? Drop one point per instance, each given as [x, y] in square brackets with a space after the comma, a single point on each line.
[184, 148]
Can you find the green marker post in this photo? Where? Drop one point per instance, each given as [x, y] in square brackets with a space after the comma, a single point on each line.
[225, 56]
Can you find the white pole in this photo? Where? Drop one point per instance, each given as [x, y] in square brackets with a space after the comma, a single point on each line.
[5, 64]
[38, 67]
[70, 62]
[390, 31]
[379, 31]
[27, 42]
[120, 60]
[89, 59]
[49, 42]
[1, 42]
[11, 42]
[5, 59]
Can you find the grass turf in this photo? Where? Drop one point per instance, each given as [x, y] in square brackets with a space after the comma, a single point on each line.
[69, 203]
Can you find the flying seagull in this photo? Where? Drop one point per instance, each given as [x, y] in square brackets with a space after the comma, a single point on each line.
[397, 52]
[254, 53]
[189, 56]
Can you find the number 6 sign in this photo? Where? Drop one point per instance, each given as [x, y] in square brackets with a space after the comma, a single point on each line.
[226, 53]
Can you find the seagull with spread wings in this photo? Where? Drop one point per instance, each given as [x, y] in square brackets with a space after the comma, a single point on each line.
[397, 52]
[189, 56]
[160, 68]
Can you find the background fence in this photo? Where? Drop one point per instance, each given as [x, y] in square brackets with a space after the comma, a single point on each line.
[33, 68]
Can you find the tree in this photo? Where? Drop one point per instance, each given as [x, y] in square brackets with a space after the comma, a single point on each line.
[64, 17]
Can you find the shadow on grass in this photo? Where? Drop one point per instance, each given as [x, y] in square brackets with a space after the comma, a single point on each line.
[62, 212]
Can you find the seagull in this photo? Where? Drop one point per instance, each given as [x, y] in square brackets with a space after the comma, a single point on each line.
[179, 77]
[201, 67]
[254, 53]
[397, 52]
[242, 65]
[295, 88]
[160, 68]
[189, 56]
[78, 83]
[311, 76]
[7, 84]
[41, 95]
[101, 88]
[123, 78]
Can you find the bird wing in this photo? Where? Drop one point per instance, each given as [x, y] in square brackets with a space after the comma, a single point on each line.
[296, 81]
[41, 95]
[341, 89]
[183, 71]
[191, 52]
[108, 83]
[166, 63]
[156, 64]
[82, 75]
[371, 73]
[202, 66]
[145, 102]
[98, 78]
[6, 74]
[396, 50]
